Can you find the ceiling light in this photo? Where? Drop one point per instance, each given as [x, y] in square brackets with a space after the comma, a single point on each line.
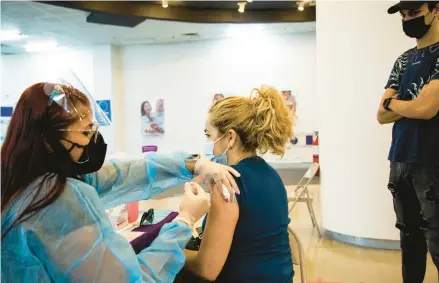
[301, 6]
[9, 35]
[165, 4]
[241, 8]
[249, 1]
[41, 46]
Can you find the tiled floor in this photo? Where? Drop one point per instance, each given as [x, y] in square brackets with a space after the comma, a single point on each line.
[328, 261]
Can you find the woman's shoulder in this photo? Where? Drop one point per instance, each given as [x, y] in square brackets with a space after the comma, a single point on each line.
[74, 193]
[77, 205]
[252, 164]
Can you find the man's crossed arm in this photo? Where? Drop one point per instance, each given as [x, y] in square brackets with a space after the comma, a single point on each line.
[425, 106]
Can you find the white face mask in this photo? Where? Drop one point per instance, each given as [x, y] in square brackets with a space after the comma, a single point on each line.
[209, 147]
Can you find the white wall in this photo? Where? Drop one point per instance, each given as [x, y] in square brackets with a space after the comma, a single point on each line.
[187, 75]
[93, 66]
[355, 54]
[20, 71]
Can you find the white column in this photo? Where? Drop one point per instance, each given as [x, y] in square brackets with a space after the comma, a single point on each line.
[118, 99]
[108, 85]
[357, 44]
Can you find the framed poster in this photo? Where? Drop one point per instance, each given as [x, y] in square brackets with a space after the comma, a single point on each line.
[106, 107]
[217, 97]
[152, 117]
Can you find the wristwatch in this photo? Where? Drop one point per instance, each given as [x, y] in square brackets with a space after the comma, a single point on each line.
[190, 162]
[386, 103]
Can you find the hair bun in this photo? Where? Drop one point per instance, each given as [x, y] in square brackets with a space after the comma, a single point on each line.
[261, 121]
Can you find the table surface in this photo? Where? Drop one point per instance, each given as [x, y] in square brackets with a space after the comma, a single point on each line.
[284, 164]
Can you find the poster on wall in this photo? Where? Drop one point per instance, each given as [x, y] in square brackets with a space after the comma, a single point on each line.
[290, 103]
[152, 116]
[5, 119]
[106, 108]
[217, 97]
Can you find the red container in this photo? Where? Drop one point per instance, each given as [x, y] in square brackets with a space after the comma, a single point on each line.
[133, 211]
[315, 159]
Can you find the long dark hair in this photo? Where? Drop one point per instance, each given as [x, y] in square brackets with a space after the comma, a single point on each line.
[142, 108]
[32, 138]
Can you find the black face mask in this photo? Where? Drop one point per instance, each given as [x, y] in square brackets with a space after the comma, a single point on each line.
[416, 28]
[92, 157]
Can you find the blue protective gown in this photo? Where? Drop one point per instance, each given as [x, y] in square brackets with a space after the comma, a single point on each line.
[72, 239]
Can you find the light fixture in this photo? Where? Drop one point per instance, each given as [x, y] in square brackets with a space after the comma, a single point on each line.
[165, 4]
[301, 6]
[39, 46]
[10, 35]
[241, 8]
[249, 1]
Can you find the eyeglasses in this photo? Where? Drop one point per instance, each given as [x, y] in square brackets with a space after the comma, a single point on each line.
[93, 131]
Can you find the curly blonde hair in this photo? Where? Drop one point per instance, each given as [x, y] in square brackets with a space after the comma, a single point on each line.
[261, 120]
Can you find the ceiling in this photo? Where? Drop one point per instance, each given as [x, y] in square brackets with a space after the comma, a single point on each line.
[69, 27]
[232, 5]
[200, 11]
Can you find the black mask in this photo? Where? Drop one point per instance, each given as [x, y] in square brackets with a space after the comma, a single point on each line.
[416, 28]
[92, 158]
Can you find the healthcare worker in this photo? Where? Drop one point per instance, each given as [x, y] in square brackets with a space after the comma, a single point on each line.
[55, 188]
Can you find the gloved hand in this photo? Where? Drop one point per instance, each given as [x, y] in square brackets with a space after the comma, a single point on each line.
[194, 205]
[212, 172]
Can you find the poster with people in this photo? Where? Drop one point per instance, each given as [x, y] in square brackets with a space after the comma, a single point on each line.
[217, 97]
[152, 117]
[290, 102]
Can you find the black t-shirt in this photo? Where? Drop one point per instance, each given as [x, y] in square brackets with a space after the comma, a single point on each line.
[415, 141]
[260, 250]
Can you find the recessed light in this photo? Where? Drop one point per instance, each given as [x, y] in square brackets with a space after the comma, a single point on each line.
[241, 8]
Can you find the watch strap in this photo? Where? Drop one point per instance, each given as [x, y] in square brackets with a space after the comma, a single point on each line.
[386, 103]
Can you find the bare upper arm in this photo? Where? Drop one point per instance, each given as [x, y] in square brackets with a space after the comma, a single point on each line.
[431, 90]
[429, 98]
[217, 235]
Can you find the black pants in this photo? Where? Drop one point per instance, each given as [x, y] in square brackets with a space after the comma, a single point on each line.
[415, 191]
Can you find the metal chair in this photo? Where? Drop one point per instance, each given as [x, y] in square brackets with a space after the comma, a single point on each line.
[297, 253]
[301, 194]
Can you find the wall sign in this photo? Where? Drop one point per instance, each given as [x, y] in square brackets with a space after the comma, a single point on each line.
[105, 105]
[5, 119]
[6, 111]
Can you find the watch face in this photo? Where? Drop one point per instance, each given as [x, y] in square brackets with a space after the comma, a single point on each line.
[386, 103]
[192, 157]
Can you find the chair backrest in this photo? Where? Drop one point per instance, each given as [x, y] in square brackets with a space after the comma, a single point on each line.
[309, 175]
[294, 245]
[312, 171]
[297, 253]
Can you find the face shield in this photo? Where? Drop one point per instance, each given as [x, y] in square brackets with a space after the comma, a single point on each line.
[64, 92]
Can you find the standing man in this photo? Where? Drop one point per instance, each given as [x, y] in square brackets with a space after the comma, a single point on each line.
[411, 100]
